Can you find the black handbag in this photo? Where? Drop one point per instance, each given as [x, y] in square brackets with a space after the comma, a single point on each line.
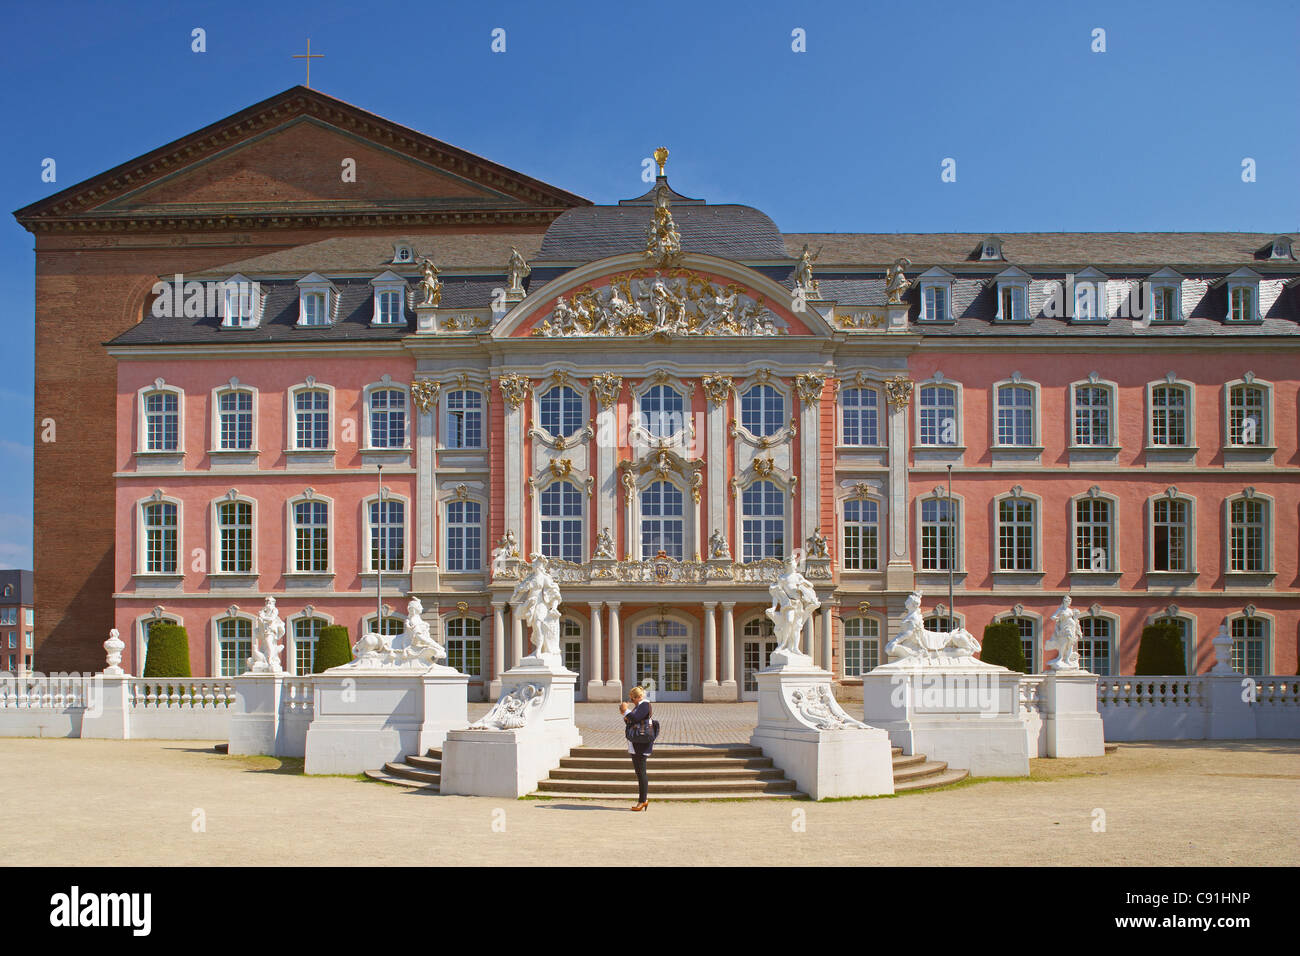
[643, 732]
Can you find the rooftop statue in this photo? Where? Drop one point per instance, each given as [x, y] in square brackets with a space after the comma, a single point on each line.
[517, 270]
[430, 283]
[896, 284]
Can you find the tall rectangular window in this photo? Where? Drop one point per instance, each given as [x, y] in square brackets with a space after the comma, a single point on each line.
[561, 520]
[235, 526]
[1243, 303]
[1091, 415]
[313, 309]
[387, 535]
[388, 418]
[1013, 303]
[936, 303]
[1015, 415]
[312, 418]
[662, 524]
[160, 538]
[1169, 535]
[861, 534]
[162, 421]
[938, 534]
[938, 409]
[235, 636]
[762, 522]
[1164, 304]
[1094, 645]
[464, 419]
[1248, 535]
[1015, 534]
[1246, 415]
[1092, 545]
[1249, 645]
[464, 646]
[859, 410]
[861, 645]
[464, 536]
[1168, 415]
[306, 632]
[311, 536]
[390, 307]
[235, 410]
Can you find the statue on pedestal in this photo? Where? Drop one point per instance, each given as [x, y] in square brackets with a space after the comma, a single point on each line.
[113, 648]
[793, 602]
[268, 630]
[517, 270]
[507, 548]
[1065, 637]
[896, 283]
[1222, 652]
[537, 598]
[605, 546]
[430, 283]
[915, 643]
[718, 546]
[417, 640]
[803, 273]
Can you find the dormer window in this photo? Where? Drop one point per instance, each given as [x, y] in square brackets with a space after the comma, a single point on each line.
[1013, 295]
[936, 295]
[317, 300]
[240, 303]
[390, 299]
[1243, 296]
[991, 249]
[1090, 296]
[1166, 296]
[1281, 248]
[403, 253]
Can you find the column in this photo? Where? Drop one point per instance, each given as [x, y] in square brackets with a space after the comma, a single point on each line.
[615, 680]
[899, 574]
[709, 683]
[810, 639]
[498, 647]
[594, 670]
[828, 642]
[728, 686]
[516, 636]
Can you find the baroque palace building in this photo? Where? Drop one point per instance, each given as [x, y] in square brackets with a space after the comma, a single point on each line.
[667, 397]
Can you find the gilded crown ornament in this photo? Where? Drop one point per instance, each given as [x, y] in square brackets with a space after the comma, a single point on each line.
[607, 385]
[515, 388]
[810, 386]
[425, 394]
[718, 387]
[899, 391]
[661, 158]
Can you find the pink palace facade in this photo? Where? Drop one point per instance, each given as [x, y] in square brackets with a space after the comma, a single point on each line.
[668, 423]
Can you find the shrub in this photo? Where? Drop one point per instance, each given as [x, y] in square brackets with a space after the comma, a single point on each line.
[1161, 651]
[332, 647]
[1002, 646]
[169, 651]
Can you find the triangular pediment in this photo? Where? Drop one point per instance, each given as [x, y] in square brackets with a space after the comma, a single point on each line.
[626, 297]
[300, 153]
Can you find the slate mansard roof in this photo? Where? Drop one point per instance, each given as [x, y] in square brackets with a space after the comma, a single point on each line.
[850, 269]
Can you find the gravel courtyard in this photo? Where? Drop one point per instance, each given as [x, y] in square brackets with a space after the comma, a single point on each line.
[166, 803]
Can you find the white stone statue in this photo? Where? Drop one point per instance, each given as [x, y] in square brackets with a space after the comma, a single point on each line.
[793, 602]
[1065, 637]
[1222, 652]
[372, 650]
[537, 599]
[507, 548]
[718, 545]
[605, 546]
[512, 709]
[430, 283]
[268, 632]
[417, 642]
[916, 644]
[114, 647]
[517, 270]
[818, 707]
[896, 283]
[817, 547]
[803, 273]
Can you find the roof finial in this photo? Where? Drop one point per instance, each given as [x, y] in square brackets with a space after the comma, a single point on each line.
[661, 157]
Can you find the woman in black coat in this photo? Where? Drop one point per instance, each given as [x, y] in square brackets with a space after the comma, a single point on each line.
[635, 710]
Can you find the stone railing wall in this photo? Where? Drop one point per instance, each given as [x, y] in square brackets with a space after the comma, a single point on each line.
[1207, 706]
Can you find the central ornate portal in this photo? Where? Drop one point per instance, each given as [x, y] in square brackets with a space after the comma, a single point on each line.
[661, 660]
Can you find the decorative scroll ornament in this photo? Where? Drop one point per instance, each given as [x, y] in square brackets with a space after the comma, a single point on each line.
[607, 386]
[515, 388]
[561, 468]
[818, 707]
[425, 394]
[810, 386]
[430, 284]
[896, 284]
[898, 391]
[517, 270]
[646, 302]
[860, 320]
[717, 388]
[663, 241]
[803, 274]
[513, 709]
[763, 467]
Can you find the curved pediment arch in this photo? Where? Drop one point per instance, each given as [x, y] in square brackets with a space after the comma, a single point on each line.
[628, 297]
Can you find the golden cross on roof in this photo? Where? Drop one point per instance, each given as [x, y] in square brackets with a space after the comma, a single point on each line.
[308, 56]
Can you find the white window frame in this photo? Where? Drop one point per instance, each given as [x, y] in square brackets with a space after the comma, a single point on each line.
[1035, 413]
[1112, 403]
[882, 417]
[234, 386]
[881, 525]
[1113, 664]
[445, 519]
[1012, 278]
[783, 488]
[783, 419]
[1249, 380]
[317, 284]
[881, 641]
[1270, 634]
[366, 527]
[214, 628]
[1166, 280]
[1097, 281]
[689, 546]
[1247, 280]
[291, 636]
[214, 551]
[939, 381]
[142, 540]
[1036, 531]
[291, 420]
[159, 386]
[1112, 533]
[1035, 658]
[484, 639]
[230, 290]
[386, 384]
[447, 414]
[642, 435]
[385, 283]
[959, 532]
[291, 534]
[141, 629]
[1269, 532]
[1189, 544]
[938, 281]
[1189, 431]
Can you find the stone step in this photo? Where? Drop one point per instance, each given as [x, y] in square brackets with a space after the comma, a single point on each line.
[927, 768]
[902, 761]
[668, 763]
[658, 797]
[712, 785]
[1110, 748]
[413, 773]
[931, 780]
[385, 777]
[659, 775]
[425, 763]
[434, 752]
[670, 751]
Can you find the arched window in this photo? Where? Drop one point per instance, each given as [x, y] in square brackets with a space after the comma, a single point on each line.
[762, 521]
[464, 410]
[861, 645]
[1248, 535]
[762, 410]
[561, 516]
[235, 531]
[662, 526]
[663, 411]
[235, 643]
[311, 411]
[235, 415]
[388, 418]
[465, 645]
[939, 622]
[937, 405]
[1250, 636]
[1246, 405]
[311, 536]
[393, 624]
[464, 536]
[860, 416]
[861, 535]
[1169, 421]
[1092, 415]
[560, 411]
[1015, 415]
[160, 537]
[162, 420]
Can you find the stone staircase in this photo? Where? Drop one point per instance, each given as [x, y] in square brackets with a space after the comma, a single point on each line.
[734, 772]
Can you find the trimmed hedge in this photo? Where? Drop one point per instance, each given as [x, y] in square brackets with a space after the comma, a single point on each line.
[332, 648]
[168, 654]
[1002, 646]
[1161, 651]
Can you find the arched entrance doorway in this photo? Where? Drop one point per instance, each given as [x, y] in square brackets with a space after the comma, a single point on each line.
[661, 659]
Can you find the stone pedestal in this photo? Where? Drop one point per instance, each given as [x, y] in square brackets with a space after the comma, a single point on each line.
[1231, 716]
[719, 692]
[521, 740]
[366, 717]
[255, 720]
[960, 711]
[107, 715]
[1071, 723]
[806, 733]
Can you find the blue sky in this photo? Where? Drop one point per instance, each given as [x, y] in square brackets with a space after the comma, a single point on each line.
[848, 136]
